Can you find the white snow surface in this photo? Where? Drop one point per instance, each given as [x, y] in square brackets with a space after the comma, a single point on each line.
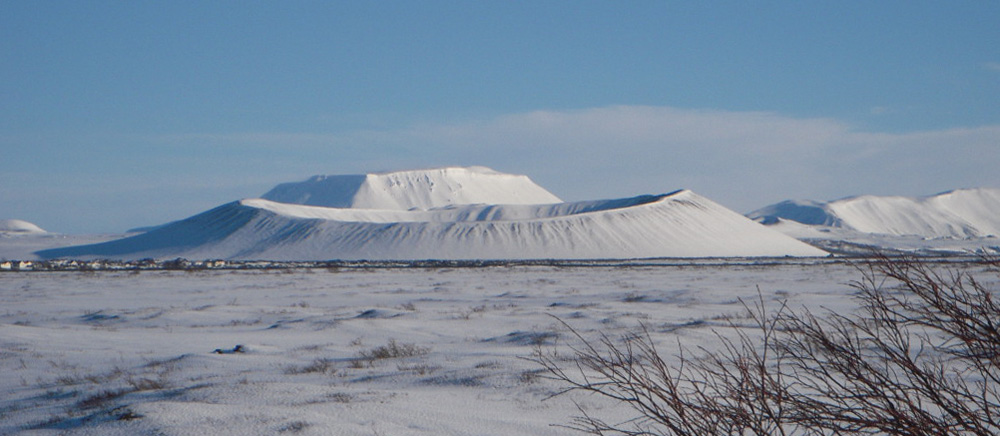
[19, 226]
[414, 189]
[962, 213]
[680, 224]
[843, 241]
[131, 353]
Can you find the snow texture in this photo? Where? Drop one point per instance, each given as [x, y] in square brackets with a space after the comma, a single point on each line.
[131, 353]
[415, 189]
[963, 213]
[680, 224]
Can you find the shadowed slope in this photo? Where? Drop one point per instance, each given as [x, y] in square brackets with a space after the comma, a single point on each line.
[180, 236]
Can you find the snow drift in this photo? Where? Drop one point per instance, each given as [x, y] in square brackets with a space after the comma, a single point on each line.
[679, 224]
[964, 213]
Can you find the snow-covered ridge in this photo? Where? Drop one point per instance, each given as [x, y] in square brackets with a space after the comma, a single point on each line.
[478, 212]
[963, 213]
[414, 189]
[681, 224]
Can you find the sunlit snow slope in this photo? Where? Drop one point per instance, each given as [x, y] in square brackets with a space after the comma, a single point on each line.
[415, 189]
[964, 213]
[681, 224]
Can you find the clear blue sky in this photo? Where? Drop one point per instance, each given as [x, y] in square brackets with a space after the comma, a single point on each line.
[131, 113]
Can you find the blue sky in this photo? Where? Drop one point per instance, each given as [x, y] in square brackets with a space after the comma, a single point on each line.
[123, 114]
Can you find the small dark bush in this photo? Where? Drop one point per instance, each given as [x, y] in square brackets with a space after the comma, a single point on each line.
[393, 350]
[101, 398]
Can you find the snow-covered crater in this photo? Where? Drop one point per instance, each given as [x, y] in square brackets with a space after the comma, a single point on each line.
[682, 224]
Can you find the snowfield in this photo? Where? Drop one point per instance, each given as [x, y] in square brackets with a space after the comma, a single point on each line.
[420, 348]
[350, 351]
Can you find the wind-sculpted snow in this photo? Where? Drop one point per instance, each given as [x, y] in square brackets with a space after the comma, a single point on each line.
[415, 189]
[965, 213]
[680, 224]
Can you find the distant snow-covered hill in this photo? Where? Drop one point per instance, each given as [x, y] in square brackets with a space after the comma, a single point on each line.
[680, 224]
[963, 213]
[19, 227]
[20, 240]
[414, 189]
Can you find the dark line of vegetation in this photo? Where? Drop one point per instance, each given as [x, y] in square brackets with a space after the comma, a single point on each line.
[181, 264]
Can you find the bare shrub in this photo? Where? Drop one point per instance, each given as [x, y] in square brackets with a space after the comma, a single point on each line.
[919, 357]
[147, 384]
[323, 365]
[419, 369]
[99, 399]
[294, 427]
[393, 350]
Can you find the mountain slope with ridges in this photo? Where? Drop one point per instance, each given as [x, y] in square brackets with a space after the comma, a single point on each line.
[680, 224]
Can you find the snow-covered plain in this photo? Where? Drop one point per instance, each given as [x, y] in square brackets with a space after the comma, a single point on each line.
[127, 353]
